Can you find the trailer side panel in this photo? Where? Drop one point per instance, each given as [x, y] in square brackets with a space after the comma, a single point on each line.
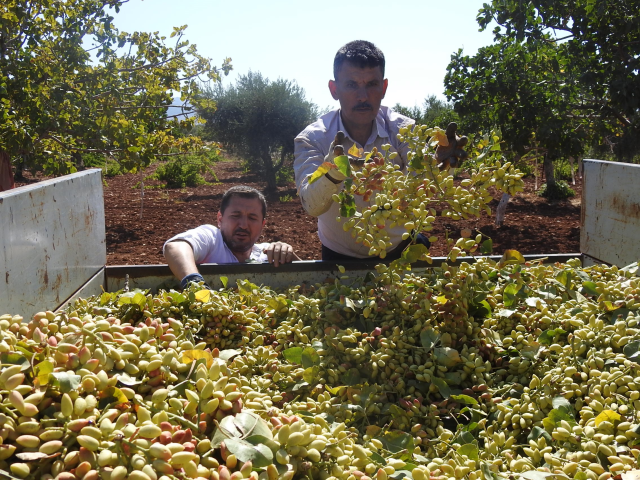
[52, 239]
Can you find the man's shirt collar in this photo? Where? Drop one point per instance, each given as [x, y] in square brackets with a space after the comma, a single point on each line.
[379, 131]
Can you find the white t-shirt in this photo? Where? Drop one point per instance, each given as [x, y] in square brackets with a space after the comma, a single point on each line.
[209, 247]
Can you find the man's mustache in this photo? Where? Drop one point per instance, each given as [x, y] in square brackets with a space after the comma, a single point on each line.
[363, 106]
[241, 230]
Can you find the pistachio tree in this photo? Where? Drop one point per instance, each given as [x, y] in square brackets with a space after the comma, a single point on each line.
[71, 83]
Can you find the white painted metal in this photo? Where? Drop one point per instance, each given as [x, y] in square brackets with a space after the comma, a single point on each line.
[610, 221]
[94, 286]
[52, 240]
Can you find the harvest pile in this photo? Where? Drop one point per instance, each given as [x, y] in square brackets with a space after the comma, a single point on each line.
[482, 371]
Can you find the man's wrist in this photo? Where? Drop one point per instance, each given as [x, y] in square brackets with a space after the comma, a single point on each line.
[333, 180]
[192, 277]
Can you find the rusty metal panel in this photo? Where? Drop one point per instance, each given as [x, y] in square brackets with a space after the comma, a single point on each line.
[610, 219]
[94, 286]
[52, 240]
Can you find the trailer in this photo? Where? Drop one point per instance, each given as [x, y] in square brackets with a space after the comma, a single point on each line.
[54, 248]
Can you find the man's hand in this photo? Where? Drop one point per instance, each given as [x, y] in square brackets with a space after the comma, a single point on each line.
[335, 150]
[453, 154]
[279, 253]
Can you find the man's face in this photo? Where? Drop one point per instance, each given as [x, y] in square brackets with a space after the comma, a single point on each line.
[360, 92]
[241, 223]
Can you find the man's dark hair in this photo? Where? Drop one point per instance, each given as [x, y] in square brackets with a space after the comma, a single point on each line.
[243, 191]
[360, 53]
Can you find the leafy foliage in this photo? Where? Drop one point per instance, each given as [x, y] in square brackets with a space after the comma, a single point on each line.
[58, 101]
[560, 191]
[258, 119]
[554, 79]
[186, 170]
[434, 113]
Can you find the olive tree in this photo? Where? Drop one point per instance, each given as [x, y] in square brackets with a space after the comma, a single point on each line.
[258, 119]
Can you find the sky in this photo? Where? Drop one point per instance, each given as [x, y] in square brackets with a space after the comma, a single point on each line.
[297, 40]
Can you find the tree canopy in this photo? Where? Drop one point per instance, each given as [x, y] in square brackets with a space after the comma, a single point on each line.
[434, 112]
[71, 83]
[558, 76]
[258, 119]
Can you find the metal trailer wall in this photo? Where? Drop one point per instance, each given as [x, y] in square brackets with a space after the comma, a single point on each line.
[610, 218]
[52, 241]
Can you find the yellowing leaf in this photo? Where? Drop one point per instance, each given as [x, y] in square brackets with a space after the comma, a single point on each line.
[44, 369]
[441, 299]
[320, 171]
[607, 416]
[511, 257]
[440, 138]
[203, 295]
[189, 356]
[355, 151]
[115, 393]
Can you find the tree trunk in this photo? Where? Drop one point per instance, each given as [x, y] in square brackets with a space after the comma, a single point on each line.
[6, 174]
[549, 176]
[270, 172]
[502, 208]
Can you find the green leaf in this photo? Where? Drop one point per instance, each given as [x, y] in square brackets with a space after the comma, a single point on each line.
[224, 281]
[509, 295]
[112, 395]
[262, 440]
[444, 389]
[396, 441]
[466, 399]
[488, 474]
[486, 247]
[246, 288]
[547, 337]
[561, 402]
[67, 381]
[632, 351]
[13, 358]
[413, 253]
[344, 167]
[429, 338]
[293, 355]
[537, 432]
[447, 356]
[376, 457]
[511, 257]
[351, 377]
[259, 455]
[589, 288]
[311, 374]
[480, 310]
[229, 353]
[242, 425]
[470, 450]
[555, 416]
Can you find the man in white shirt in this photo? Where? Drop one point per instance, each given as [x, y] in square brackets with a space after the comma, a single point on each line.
[359, 86]
[240, 220]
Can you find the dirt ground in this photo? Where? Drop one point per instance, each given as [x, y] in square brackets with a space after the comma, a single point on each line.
[532, 225]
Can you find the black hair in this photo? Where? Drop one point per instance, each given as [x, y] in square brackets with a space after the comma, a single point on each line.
[243, 191]
[360, 53]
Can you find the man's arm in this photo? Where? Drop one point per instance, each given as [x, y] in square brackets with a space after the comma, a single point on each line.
[179, 256]
[315, 197]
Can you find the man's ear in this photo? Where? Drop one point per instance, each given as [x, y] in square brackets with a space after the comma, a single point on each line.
[333, 88]
[219, 218]
[385, 84]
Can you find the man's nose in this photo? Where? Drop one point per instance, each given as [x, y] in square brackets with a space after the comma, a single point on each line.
[362, 93]
[243, 221]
